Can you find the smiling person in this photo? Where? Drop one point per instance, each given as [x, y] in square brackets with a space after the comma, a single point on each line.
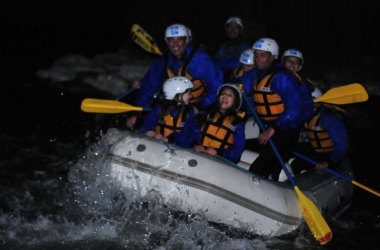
[292, 59]
[278, 101]
[181, 59]
[227, 57]
[221, 130]
[172, 120]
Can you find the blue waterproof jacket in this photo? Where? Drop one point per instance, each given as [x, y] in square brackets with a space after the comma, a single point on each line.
[201, 67]
[183, 138]
[287, 86]
[334, 126]
[307, 87]
[228, 56]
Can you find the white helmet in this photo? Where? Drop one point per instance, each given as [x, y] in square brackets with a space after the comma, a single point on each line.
[316, 93]
[267, 44]
[237, 91]
[176, 30]
[247, 57]
[175, 85]
[237, 20]
[234, 19]
[295, 53]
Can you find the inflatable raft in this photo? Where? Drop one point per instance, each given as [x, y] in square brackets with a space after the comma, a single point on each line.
[224, 192]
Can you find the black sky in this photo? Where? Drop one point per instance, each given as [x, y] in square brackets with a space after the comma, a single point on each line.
[330, 33]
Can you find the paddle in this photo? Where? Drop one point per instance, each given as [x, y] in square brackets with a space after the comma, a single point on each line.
[144, 40]
[313, 217]
[351, 93]
[341, 95]
[99, 116]
[108, 107]
[339, 175]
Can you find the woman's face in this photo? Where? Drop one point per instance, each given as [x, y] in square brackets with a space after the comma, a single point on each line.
[186, 97]
[226, 99]
[292, 63]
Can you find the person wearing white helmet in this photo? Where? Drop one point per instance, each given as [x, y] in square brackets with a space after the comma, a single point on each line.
[221, 130]
[181, 59]
[316, 93]
[292, 59]
[177, 37]
[278, 101]
[246, 64]
[227, 57]
[167, 120]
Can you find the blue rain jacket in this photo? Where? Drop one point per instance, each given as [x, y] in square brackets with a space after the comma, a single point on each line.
[307, 87]
[228, 56]
[201, 67]
[287, 86]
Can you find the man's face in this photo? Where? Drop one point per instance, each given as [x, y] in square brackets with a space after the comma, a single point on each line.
[292, 63]
[177, 45]
[233, 30]
[263, 59]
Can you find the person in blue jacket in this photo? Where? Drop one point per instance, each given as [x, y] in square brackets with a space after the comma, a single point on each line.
[278, 102]
[293, 60]
[180, 60]
[327, 139]
[221, 130]
[246, 65]
[173, 119]
[227, 57]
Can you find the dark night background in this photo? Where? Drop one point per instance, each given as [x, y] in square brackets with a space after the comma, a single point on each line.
[333, 35]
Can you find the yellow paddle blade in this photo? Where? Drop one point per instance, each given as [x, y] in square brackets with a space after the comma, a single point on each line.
[142, 38]
[314, 219]
[351, 93]
[106, 106]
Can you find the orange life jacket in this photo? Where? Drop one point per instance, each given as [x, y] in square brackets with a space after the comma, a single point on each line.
[171, 124]
[268, 104]
[218, 131]
[319, 139]
[301, 80]
[200, 87]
